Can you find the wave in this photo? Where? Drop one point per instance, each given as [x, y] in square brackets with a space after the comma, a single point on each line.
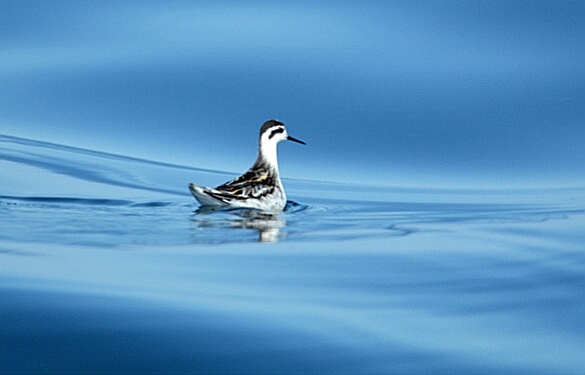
[51, 190]
[104, 202]
[99, 167]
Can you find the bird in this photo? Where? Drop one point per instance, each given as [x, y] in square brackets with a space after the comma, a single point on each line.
[258, 188]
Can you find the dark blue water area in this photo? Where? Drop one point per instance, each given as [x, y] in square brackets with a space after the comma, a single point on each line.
[108, 265]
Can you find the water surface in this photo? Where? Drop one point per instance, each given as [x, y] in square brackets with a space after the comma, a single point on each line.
[109, 109]
[108, 265]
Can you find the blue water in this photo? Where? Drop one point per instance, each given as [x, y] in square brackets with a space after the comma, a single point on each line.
[436, 216]
[116, 269]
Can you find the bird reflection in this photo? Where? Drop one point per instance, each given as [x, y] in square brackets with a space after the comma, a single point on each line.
[267, 224]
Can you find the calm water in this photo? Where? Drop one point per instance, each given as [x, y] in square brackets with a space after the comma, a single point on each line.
[114, 269]
[108, 109]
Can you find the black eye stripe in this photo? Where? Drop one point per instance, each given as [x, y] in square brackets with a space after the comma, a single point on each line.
[275, 131]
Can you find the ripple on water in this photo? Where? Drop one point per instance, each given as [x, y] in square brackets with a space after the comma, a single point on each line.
[397, 280]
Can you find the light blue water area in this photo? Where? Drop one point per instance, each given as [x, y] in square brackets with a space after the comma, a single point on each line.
[108, 265]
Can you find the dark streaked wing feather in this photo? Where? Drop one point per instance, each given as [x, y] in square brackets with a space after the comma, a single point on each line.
[255, 183]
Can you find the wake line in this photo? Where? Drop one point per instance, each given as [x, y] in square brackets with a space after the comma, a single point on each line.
[86, 201]
[86, 174]
[94, 166]
[100, 154]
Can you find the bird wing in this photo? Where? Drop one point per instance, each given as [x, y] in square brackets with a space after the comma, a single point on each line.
[255, 183]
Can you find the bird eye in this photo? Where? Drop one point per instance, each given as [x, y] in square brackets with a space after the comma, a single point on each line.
[275, 131]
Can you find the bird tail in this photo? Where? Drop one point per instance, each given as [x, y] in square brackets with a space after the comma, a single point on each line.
[199, 192]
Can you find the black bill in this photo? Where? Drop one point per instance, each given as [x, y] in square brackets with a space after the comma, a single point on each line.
[295, 140]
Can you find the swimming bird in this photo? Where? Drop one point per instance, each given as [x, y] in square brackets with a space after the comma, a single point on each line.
[260, 187]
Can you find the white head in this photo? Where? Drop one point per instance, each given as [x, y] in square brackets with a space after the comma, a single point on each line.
[273, 132]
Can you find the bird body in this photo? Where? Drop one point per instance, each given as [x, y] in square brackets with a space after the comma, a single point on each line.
[260, 187]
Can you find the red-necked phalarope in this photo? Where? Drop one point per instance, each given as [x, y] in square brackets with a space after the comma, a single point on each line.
[260, 187]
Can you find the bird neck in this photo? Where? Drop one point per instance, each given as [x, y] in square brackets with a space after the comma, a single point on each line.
[267, 157]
